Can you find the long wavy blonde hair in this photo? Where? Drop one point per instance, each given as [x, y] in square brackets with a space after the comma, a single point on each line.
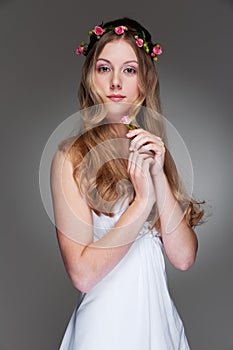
[99, 169]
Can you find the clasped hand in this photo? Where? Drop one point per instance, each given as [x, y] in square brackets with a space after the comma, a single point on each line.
[148, 144]
[146, 160]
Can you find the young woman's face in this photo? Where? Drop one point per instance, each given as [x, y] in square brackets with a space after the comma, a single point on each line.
[116, 73]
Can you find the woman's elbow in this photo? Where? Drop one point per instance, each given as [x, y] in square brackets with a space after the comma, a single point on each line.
[79, 282]
[186, 264]
[189, 257]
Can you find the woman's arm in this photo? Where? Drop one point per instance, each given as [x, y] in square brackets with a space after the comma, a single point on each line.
[180, 241]
[87, 262]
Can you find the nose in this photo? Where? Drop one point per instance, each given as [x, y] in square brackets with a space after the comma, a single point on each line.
[115, 82]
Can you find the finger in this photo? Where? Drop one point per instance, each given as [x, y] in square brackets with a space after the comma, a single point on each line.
[144, 139]
[142, 168]
[134, 132]
[129, 161]
[147, 162]
[137, 141]
[137, 169]
[136, 163]
[152, 148]
[145, 173]
[132, 161]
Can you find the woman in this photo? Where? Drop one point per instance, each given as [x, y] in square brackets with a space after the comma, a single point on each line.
[118, 201]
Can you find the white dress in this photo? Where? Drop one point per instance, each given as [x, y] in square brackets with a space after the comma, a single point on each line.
[130, 308]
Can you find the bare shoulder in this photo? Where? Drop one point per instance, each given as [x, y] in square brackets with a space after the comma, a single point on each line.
[73, 217]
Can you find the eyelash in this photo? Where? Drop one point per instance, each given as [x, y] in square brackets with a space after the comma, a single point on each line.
[105, 69]
[133, 70]
[102, 69]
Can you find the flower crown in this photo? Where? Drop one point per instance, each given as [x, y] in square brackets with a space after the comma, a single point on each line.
[140, 40]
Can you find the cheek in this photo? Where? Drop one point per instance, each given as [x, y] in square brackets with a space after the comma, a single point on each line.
[135, 88]
[99, 81]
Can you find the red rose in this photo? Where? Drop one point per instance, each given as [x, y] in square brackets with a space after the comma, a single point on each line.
[120, 30]
[139, 42]
[79, 50]
[157, 50]
[98, 30]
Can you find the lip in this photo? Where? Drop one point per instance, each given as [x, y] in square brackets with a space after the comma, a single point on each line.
[116, 98]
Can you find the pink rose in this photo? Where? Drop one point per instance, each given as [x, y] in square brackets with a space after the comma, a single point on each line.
[79, 50]
[125, 120]
[157, 50]
[120, 30]
[98, 30]
[139, 42]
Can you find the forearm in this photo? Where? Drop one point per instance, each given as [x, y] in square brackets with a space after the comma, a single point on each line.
[180, 241]
[100, 257]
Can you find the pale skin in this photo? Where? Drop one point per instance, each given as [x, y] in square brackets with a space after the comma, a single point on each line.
[179, 239]
[88, 262]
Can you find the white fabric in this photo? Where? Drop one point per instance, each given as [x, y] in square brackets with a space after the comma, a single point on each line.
[130, 308]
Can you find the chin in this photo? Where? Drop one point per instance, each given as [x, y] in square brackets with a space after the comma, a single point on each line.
[116, 110]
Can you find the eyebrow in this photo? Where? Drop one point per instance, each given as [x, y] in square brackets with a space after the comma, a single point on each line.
[104, 59]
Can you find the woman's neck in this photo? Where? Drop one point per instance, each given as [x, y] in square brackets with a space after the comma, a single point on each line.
[120, 129]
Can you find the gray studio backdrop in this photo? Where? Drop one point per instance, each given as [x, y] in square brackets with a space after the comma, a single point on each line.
[39, 79]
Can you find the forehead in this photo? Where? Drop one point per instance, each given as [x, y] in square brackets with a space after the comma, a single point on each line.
[118, 50]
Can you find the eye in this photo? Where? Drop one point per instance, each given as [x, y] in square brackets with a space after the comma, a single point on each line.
[103, 69]
[130, 70]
